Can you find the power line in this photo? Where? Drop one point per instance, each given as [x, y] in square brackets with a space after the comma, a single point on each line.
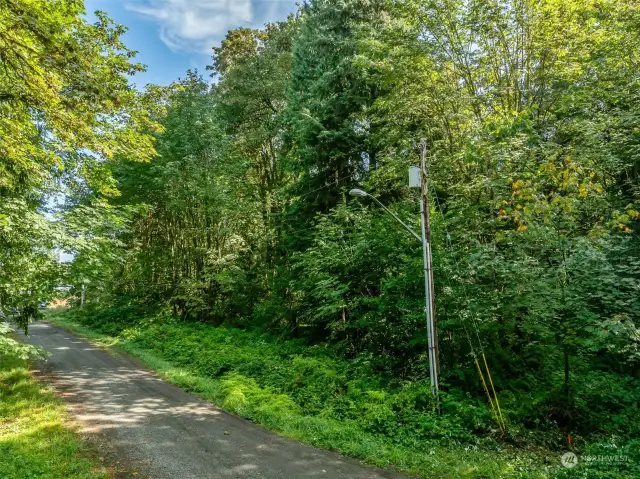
[458, 268]
[325, 186]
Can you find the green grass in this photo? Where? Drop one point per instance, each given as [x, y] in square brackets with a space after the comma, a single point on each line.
[36, 440]
[313, 395]
[309, 395]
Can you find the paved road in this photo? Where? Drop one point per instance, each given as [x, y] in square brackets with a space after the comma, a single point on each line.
[162, 432]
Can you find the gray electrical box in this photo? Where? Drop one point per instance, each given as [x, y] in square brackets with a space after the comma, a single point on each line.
[414, 177]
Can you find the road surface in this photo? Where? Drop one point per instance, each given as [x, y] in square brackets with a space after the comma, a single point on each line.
[146, 425]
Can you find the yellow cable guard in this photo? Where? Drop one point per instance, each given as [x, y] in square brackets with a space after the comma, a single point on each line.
[495, 395]
[486, 390]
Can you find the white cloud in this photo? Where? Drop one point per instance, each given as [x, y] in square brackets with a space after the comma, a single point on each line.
[194, 25]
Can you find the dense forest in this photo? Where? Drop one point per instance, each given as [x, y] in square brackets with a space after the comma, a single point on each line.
[223, 199]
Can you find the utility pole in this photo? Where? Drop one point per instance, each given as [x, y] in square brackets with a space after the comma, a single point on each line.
[418, 180]
[430, 307]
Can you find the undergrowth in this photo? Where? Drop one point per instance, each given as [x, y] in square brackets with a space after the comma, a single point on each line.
[310, 394]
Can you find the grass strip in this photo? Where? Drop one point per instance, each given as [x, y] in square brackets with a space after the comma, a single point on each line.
[36, 438]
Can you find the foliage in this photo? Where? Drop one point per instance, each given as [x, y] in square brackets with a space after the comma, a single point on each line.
[66, 111]
[529, 111]
[63, 89]
[311, 395]
[27, 274]
[10, 348]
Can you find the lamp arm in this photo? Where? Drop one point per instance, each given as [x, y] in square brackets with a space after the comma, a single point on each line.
[396, 218]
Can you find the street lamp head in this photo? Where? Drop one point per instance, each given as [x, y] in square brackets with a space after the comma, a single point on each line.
[357, 192]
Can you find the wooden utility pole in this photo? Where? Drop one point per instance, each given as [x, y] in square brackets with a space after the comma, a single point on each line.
[431, 308]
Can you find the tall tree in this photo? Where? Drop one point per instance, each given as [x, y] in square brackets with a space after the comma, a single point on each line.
[66, 108]
[329, 95]
[251, 97]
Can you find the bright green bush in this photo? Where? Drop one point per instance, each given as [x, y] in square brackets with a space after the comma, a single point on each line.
[313, 379]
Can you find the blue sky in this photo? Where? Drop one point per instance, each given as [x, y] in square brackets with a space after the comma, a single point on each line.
[173, 36]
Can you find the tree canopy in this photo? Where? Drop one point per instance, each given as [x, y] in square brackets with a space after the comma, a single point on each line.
[530, 112]
[66, 112]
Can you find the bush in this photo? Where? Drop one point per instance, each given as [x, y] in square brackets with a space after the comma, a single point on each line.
[275, 382]
[311, 394]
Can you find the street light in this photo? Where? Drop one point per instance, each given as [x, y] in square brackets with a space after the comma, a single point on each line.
[357, 192]
[415, 181]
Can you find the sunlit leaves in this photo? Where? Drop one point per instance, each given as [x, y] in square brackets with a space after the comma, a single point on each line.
[66, 110]
[63, 88]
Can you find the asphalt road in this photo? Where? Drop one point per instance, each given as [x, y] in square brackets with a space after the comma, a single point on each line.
[145, 425]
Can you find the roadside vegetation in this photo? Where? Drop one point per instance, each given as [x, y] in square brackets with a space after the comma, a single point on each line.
[37, 439]
[312, 395]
